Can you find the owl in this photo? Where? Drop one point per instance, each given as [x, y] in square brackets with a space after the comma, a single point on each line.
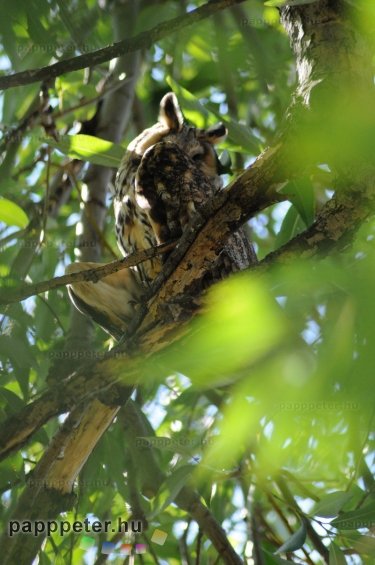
[166, 175]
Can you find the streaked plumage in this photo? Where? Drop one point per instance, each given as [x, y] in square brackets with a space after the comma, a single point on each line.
[167, 172]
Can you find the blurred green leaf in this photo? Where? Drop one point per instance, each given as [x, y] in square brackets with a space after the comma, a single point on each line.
[13, 401]
[12, 214]
[241, 323]
[301, 194]
[271, 559]
[336, 555]
[44, 559]
[362, 543]
[361, 518]
[279, 3]
[170, 489]
[173, 444]
[331, 504]
[12, 470]
[291, 226]
[17, 351]
[89, 148]
[295, 541]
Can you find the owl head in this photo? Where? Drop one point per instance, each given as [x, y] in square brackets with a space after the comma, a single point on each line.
[197, 143]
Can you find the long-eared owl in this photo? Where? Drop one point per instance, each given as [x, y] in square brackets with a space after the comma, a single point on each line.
[167, 173]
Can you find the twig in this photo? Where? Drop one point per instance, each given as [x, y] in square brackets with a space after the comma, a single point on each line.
[47, 196]
[314, 537]
[199, 546]
[10, 295]
[143, 40]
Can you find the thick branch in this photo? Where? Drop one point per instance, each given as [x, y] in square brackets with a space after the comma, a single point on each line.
[255, 189]
[339, 217]
[50, 486]
[334, 228]
[143, 40]
[55, 473]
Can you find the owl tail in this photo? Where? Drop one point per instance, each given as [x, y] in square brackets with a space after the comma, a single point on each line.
[110, 301]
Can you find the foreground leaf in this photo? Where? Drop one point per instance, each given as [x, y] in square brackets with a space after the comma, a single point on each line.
[336, 555]
[361, 518]
[89, 148]
[295, 542]
[12, 214]
[330, 505]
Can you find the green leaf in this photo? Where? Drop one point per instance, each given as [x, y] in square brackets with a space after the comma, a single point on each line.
[37, 32]
[275, 559]
[336, 555]
[301, 193]
[170, 489]
[12, 470]
[89, 148]
[12, 214]
[361, 518]
[295, 542]
[115, 465]
[9, 186]
[172, 444]
[17, 351]
[291, 225]
[362, 543]
[13, 401]
[65, 16]
[43, 558]
[240, 324]
[192, 109]
[331, 504]
[198, 114]
[279, 3]
[239, 134]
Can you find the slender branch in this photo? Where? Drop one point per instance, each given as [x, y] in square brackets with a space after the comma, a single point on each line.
[314, 537]
[135, 425]
[143, 40]
[11, 295]
[252, 191]
[248, 195]
[333, 229]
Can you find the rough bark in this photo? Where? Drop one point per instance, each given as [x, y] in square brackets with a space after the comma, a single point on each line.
[320, 35]
[51, 488]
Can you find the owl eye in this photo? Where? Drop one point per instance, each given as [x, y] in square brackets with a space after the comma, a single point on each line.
[197, 155]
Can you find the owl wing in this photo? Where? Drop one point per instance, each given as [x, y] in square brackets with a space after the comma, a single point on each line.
[110, 301]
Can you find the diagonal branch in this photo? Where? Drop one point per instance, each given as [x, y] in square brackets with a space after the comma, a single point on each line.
[143, 40]
[11, 295]
[254, 190]
[115, 372]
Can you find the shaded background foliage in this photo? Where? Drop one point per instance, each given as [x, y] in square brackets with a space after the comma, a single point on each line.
[270, 413]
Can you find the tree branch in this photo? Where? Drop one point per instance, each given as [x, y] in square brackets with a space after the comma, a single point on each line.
[135, 425]
[252, 190]
[334, 228]
[340, 217]
[143, 40]
[10, 295]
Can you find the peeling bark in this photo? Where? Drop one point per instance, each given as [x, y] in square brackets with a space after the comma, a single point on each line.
[331, 57]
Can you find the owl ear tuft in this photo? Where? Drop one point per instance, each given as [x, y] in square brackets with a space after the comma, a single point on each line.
[216, 133]
[170, 112]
